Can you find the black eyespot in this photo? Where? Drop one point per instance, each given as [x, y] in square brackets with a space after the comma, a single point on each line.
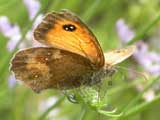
[69, 27]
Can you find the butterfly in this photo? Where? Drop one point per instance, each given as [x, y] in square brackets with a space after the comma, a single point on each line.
[72, 56]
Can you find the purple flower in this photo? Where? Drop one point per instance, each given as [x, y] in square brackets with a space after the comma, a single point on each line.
[124, 32]
[33, 7]
[149, 60]
[11, 81]
[12, 32]
[29, 35]
[13, 42]
[7, 28]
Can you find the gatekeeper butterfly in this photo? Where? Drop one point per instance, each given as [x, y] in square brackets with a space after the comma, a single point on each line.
[73, 56]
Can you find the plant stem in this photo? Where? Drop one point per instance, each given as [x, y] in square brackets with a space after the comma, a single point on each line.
[141, 33]
[44, 115]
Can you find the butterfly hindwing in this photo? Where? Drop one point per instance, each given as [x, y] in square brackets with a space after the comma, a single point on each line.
[117, 56]
[41, 68]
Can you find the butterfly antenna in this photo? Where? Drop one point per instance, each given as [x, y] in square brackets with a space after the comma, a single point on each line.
[135, 71]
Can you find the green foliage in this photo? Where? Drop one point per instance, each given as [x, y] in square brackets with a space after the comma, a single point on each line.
[121, 102]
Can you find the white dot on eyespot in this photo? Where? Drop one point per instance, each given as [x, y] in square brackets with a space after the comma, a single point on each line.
[48, 53]
[36, 76]
[46, 59]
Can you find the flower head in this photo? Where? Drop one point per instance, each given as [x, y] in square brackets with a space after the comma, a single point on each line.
[11, 81]
[12, 32]
[149, 60]
[33, 7]
[124, 32]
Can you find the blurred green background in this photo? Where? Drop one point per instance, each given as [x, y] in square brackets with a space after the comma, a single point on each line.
[116, 24]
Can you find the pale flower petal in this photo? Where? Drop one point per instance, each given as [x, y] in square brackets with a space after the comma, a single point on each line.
[11, 81]
[149, 60]
[33, 7]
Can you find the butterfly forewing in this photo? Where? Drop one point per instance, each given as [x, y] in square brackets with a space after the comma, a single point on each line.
[42, 68]
[66, 31]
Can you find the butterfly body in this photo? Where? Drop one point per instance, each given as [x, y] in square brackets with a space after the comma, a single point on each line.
[72, 58]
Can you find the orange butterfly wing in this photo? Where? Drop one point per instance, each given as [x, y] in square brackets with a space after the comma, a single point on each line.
[66, 31]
